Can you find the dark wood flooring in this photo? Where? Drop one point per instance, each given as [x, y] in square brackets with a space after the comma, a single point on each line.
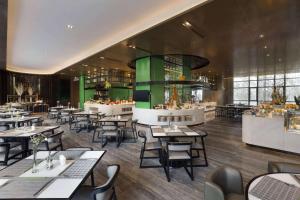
[224, 147]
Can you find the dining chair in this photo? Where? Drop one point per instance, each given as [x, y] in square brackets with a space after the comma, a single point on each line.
[52, 113]
[106, 130]
[37, 122]
[106, 191]
[130, 130]
[283, 167]
[197, 147]
[224, 183]
[9, 149]
[149, 146]
[53, 142]
[179, 152]
[63, 117]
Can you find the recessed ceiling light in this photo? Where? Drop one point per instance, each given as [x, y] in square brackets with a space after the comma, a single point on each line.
[102, 57]
[69, 26]
[265, 47]
[261, 36]
[268, 55]
[187, 24]
[131, 46]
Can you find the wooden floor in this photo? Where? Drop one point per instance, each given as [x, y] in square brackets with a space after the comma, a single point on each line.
[224, 147]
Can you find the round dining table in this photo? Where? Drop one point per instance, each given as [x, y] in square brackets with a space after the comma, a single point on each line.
[274, 186]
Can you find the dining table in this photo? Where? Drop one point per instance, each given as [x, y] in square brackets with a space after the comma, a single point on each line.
[275, 186]
[13, 114]
[69, 171]
[173, 132]
[18, 120]
[87, 114]
[23, 134]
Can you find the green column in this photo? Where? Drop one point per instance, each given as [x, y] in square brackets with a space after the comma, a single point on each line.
[81, 91]
[150, 69]
[157, 74]
[142, 74]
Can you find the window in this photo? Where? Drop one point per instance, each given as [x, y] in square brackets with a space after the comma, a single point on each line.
[253, 90]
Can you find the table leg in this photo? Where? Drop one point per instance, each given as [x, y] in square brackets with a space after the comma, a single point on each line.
[25, 147]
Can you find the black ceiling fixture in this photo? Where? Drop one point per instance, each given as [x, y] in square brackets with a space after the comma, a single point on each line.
[193, 61]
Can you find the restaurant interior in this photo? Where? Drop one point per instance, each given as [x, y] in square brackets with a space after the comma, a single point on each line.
[150, 100]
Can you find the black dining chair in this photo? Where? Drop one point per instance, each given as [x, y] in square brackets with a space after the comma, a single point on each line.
[225, 183]
[106, 191]
[130, 130]
[9, 150]
[179, 152]
[150, 146]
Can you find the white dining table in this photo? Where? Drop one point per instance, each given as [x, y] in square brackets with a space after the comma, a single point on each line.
[287, 178]
[60, 182]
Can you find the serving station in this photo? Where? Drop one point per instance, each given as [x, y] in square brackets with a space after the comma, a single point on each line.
[275, 128]
[166, 116]
[110, 109]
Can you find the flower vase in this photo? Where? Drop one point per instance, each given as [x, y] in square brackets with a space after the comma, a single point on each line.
[19, 99]
[34, 165]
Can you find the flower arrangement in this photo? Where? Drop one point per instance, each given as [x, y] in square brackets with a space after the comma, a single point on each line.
[277, 98]
[19, 88]
[37, 139]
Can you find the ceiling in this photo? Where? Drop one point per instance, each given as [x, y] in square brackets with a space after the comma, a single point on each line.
[45, 36]
[239, 37]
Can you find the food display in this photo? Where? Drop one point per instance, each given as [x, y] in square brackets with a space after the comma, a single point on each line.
[292, 120]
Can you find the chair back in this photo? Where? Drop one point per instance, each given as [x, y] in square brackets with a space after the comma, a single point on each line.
[179, 146]
[283, 167]
[80, 149]
[223, 181]
[112, 173]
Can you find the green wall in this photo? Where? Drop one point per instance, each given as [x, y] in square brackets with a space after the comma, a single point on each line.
[119, 93]
[89, 94]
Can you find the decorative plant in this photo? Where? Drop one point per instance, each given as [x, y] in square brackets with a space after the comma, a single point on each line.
[277, 98]
[107, 85]
[19, 88]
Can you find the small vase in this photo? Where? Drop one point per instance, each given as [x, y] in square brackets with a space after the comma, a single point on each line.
[34, 165]
[19, 99]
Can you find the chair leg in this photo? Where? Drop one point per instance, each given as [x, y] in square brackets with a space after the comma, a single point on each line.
[204, 152]
[192, 171]
[168, 170]
[92, 179]
[142, 157]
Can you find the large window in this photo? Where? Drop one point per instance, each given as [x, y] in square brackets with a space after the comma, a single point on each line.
[253, 90]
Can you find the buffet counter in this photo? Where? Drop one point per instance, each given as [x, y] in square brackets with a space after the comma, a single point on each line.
[269, 132]
[191, 116]
[110, 109]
